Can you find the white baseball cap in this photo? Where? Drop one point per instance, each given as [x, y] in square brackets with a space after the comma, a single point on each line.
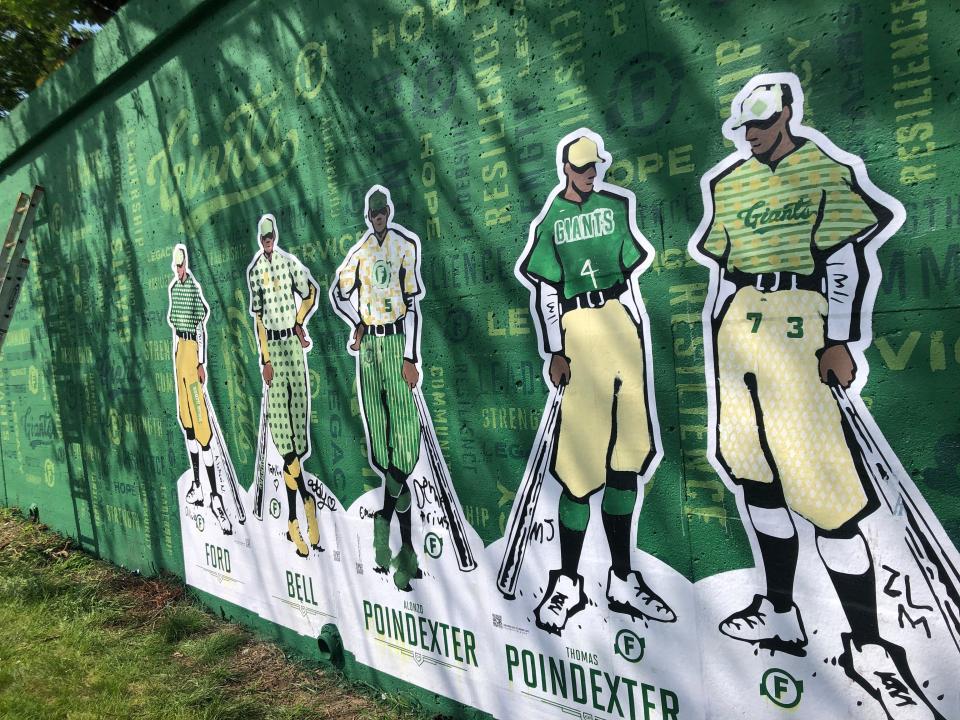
[762, 103]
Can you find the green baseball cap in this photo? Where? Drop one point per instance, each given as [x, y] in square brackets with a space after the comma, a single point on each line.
[378, 201]
[266, 226]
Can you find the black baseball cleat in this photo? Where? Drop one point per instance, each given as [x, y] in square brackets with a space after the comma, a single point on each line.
[881, 668]
[563, 599]
[216, 507]
[761, 625]
[632, 596]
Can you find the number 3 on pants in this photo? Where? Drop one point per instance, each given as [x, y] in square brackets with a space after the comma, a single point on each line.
[796, 322]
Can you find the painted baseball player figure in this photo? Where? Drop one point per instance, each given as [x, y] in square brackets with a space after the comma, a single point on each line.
[786, 222]
[581, 263]
[187, 316]
[376, 292]
[282, 297]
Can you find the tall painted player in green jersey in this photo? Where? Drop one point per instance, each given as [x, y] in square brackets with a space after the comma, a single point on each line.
[581, 264]
[375, 292]
[790, 232]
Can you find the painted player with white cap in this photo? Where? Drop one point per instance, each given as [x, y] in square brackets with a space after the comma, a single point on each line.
[187, 316]
[581, 265]
[786, 223]
[283, 294]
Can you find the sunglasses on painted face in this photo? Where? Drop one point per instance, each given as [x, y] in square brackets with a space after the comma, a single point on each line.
[581, 169]
[762, 124]
[268, 236]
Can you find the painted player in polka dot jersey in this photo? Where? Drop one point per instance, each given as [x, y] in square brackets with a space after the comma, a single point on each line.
[282, 297]
[785, 228]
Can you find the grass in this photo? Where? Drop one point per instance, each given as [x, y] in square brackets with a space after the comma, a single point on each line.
[83, 640]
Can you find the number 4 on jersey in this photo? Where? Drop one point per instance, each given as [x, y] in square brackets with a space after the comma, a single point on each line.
[587, 269]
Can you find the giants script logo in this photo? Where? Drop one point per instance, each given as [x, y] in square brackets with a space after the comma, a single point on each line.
[252, 140]
[761, 219]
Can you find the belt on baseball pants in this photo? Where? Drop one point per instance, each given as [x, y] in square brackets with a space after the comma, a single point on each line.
[774, 281]
[186, 335]
[592, 298]
[394, 328]
[279, 334]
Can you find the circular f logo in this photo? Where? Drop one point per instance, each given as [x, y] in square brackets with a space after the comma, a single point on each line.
[381, 273]
[780, 688]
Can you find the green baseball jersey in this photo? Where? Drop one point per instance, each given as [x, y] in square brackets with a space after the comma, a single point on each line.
[384, 273]
[272, 286]
[187, 309]
[771, 219]
[583, 247]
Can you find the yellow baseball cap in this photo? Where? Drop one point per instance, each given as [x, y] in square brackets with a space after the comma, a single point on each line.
[179, 256]
[266, 226]
[583, 151]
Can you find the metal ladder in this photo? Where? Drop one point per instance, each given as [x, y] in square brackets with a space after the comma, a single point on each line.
[13, 264]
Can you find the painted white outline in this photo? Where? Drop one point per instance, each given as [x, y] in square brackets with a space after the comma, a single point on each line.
[869, 248]
[632, 280]
[211, 413]
[306, 320]
[425, 427]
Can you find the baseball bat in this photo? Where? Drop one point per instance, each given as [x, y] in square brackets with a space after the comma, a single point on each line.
[931, 550]
[260, 469]
[444, 488]
[525, 504]
[227, 464]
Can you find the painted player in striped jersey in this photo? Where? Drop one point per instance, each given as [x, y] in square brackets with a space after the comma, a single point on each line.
[787, 223]
[376, 291]
[187, 317]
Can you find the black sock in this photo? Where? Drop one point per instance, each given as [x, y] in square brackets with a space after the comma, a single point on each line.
[617, 528]
[212, 477]
[406, 533]
[389, 503]
[291, 505]
[195, 463]
[858, 596]
[779, 566]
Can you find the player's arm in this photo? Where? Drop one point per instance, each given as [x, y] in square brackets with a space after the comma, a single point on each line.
[201, 312]
[306, 288]
[633, 253]
[411, 289]
[345, 297]
[849, 219]
[542, 268]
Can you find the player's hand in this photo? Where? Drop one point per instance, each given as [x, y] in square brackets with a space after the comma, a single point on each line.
[302, 336]
[358, 334]
[411, 375]
[837, 362]
[202, 374]
[559, 370]
[267, 373]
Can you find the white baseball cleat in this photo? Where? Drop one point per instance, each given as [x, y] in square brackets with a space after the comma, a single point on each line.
[631, 595]
[759, 624]
[881, 669]
[195, 494]
[564, 599]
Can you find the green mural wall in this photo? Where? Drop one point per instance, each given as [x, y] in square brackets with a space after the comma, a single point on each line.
[185, 122]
